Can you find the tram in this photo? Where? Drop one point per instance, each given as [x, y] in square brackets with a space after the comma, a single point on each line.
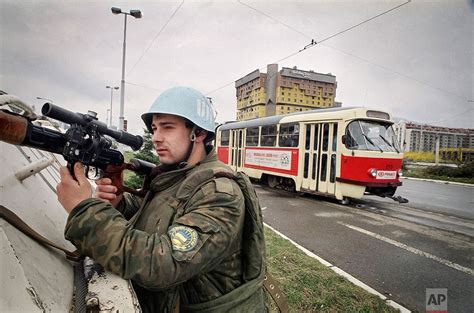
[342, 153]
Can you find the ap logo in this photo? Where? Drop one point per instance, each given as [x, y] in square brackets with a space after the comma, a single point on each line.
[437, 300]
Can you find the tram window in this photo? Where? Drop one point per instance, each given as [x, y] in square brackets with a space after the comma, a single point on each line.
[332, 175]
[289, 135]
[325, 136]
[306, 165]
[251, 138]
[334, 138]
[371, 135]
[268, 136]
[308, 137]
[315, 165]
[324, 167]
[225, 135]
[316, 138]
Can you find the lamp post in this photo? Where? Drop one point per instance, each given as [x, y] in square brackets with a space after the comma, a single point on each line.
[111, 97]
[107, 118]
[135, 14]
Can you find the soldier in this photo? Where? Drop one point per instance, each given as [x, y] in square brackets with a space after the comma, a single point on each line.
[191, 257]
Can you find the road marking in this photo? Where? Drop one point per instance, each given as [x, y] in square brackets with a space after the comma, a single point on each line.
[411, 249]
[339, 271]
[263, 209]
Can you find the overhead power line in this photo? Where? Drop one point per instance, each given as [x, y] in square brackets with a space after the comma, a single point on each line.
[450, 117]
[313, 42]
[143, 86]
[157, 35]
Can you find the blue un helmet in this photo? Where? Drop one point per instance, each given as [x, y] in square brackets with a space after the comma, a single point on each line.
[185, 102]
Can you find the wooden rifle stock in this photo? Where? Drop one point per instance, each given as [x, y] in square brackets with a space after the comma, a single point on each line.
[13, 128]
[18, 130]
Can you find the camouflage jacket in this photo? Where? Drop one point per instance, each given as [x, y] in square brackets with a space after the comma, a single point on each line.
[193, 251]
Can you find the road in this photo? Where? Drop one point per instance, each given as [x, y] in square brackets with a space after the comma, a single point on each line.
[399, 250]
[450, 199]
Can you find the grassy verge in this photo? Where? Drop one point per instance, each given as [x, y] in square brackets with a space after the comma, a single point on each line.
[310, 286]
[421, 173]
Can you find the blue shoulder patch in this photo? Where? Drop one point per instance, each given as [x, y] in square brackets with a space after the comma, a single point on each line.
[183, 238]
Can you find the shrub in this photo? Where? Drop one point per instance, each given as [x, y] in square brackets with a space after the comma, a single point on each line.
[419, 156]
[465, 170]
[145, 154]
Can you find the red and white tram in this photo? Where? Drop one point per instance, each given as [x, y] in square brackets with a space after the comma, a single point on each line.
[339, 152]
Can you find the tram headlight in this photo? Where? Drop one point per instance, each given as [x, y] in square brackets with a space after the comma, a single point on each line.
[372, 172]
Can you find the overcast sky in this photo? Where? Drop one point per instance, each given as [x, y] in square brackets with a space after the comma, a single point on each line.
[415, 61]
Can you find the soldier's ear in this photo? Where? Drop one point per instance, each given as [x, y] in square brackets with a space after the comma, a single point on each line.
[200, 135]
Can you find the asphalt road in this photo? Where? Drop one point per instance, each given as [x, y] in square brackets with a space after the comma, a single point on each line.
[449, 199]
[397, 249]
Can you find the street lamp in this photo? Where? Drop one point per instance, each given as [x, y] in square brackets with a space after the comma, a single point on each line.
[135, 14]
[111, 97]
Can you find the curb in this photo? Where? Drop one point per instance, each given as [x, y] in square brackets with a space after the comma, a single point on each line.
[339, 271]
[438, 181]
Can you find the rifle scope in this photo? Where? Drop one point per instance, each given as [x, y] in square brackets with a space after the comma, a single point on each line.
[69, 117]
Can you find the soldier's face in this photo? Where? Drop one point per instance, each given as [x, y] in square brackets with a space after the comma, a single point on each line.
[170, 137]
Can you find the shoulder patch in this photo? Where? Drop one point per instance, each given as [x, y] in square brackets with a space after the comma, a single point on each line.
[224, 185]
[183, 238]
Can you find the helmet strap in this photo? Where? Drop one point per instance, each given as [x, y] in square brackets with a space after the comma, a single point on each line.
[192, 138]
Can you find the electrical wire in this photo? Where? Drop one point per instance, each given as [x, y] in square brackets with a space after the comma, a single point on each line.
[157, 35]
[450, 117]
[143, 86]
[313, 42]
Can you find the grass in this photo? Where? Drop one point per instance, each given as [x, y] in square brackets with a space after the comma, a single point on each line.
[419, 156]
[310, 286]
[421, 173]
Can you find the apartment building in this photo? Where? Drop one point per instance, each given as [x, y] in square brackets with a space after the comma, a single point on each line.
[421, 137]
[285, 91]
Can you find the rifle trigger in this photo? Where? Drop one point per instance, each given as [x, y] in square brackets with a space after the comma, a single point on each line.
[94, 171]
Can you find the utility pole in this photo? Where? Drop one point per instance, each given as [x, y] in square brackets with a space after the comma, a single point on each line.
[135, 14]
[111, 98]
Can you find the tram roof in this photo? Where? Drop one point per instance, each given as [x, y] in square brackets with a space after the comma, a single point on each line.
[272, 120]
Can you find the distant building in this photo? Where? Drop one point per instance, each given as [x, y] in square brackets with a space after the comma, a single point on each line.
[280, 92]
[418, 137]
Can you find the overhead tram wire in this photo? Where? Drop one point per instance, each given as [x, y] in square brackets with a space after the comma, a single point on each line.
[273, 19]
[157, 35]
[313, 42]
[143, 86]
[449, 117]
[400, 74]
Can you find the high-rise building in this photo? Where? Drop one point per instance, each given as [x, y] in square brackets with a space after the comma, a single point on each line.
[280, 92]
[422, 137]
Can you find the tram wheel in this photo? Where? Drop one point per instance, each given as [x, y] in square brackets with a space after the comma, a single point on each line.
[345, 201]
[272, 181]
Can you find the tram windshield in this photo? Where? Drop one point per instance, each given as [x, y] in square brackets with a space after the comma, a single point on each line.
[371, 135]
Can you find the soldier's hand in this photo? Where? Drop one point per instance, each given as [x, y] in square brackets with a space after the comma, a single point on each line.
[107, 192]
[72, 191]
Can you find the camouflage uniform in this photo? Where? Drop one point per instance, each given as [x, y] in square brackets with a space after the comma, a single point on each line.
[194, 251]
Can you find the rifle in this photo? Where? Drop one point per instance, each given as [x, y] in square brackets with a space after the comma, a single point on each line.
[85, 141]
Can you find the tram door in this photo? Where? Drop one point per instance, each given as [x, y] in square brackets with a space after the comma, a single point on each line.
[237, 151]
[319, 160]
